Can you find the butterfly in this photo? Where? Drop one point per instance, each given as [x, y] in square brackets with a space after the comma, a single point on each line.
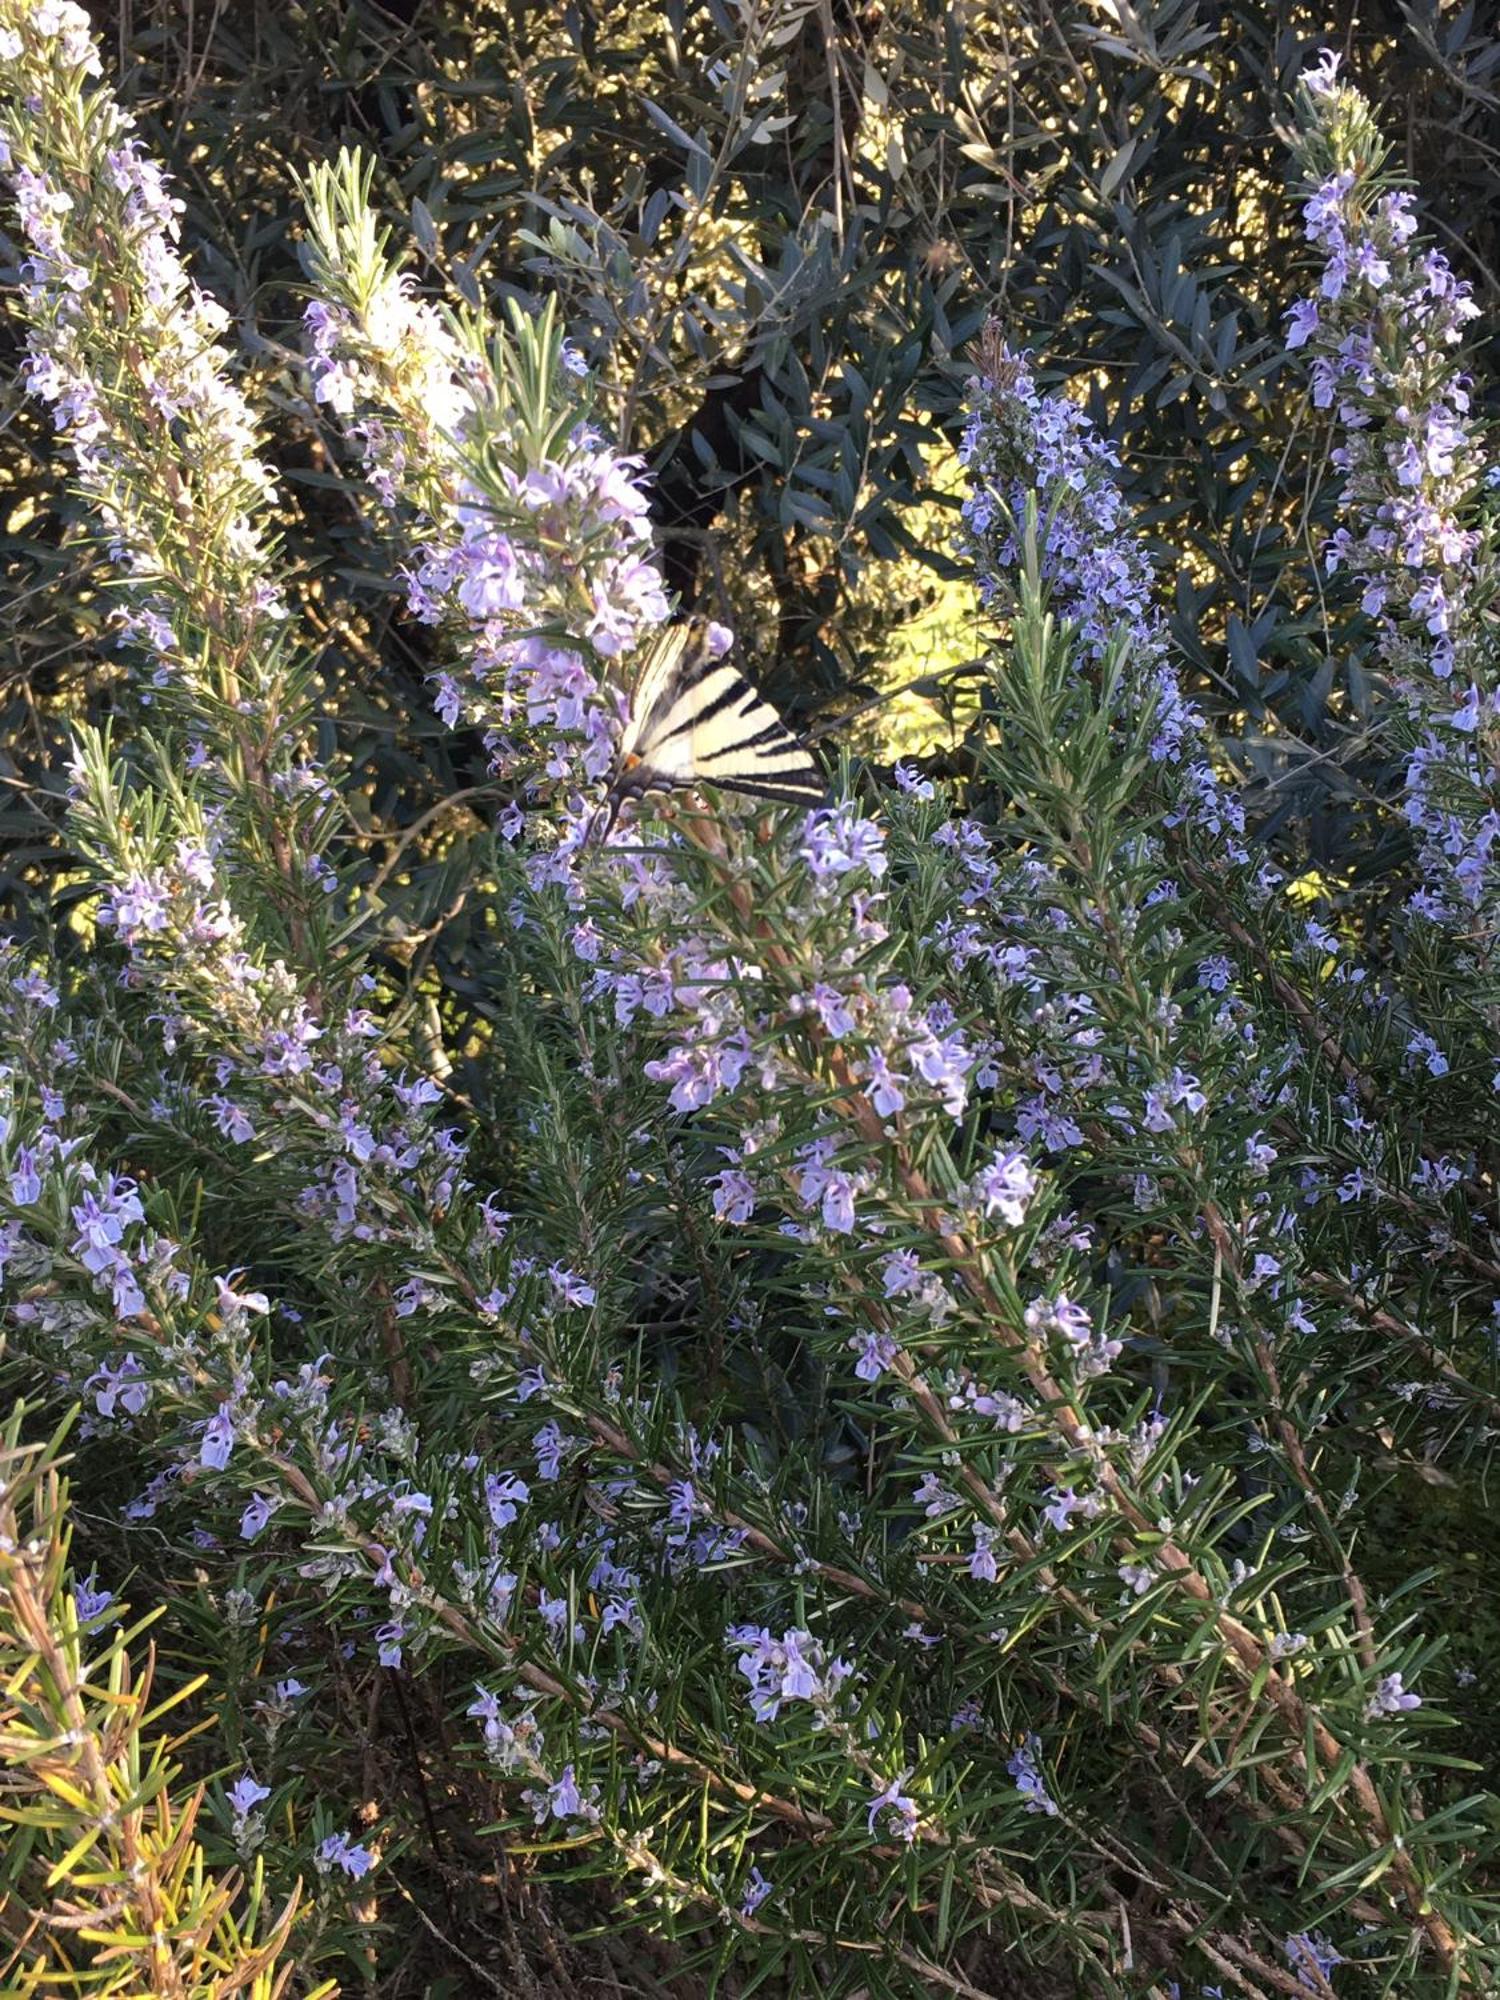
[695, 719]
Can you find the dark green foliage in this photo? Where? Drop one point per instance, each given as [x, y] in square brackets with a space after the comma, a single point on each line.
[778, 288]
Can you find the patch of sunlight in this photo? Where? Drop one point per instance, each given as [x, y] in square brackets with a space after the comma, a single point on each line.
[1311, 886]
[919, 704]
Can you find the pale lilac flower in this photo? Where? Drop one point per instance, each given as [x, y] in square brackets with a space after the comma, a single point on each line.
[821, 1183]
[794, 1667]
[757, 1888]
[563, 1800]
[258, 1511]
[551, 1447]
[218, 1439]
[90, 1599]
[876, 1353]
[337, 1851]
[1312, 1958]
[837, 841]
[1007, 1187]
[1063, 1503]
[896, 1813]
[1391, 1698]
[25, 1179]
[121, 1387]
[733, 1196]
[933, 1497]
[246, 1794]
[983, 1566]
[504, 1496]
[1022, 1766]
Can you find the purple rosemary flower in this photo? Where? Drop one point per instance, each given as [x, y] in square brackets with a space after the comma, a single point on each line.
[1312, 1958]
[120, 1387]
[562, 1799]
[1391, 1698]
[1022, 1766]
[794, 1667]
[90, 1600]
[218, 1439]
[338, 1851]
[876, 1352]
[757, 1888]
[1006, 1187]
[246, 1794]
[892, 1812]
[258, 1511]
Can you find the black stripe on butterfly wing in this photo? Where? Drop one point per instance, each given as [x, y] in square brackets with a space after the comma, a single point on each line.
[692, 706]
[675, 661]
[760, 739]
[763, 758]
[769, 756]
[791, 791]
[665, 692]
[792, 779]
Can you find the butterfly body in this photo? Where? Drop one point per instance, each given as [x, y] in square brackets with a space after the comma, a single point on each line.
[695, 719]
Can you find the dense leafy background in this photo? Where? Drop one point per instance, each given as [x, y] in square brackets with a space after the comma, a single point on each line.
[780, 313]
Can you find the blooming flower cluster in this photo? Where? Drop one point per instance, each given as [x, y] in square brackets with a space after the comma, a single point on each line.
[1020, 442]
[182, 443]
[792, 1668]
[486, 573]
[494, 495]
[274, 1057]
[397, 331]
[1383, 335]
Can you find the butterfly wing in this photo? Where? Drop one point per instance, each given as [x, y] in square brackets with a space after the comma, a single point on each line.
[660, 671]
[697, 720]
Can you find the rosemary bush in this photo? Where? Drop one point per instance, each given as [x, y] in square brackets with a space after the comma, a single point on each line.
[869, 1391]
